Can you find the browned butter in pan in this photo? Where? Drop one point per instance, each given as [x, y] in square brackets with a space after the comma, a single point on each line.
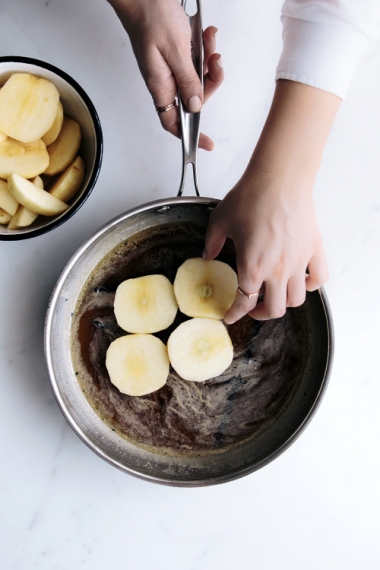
[185, 418]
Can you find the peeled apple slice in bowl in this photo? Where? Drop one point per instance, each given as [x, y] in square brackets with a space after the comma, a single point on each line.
[65, 147]
[7, 201]
[51, 135]
[200, 349]
[24, 217]
[33, 198]
[26, 159]
[4, 216]
[28, 107]
[68, 182]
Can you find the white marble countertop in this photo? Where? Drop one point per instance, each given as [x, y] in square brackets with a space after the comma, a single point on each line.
[316, 506]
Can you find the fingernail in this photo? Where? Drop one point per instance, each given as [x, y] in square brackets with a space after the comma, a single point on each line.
[219, 62]
[194, 104]
[216, 31]
[229, 321]
[204, 254]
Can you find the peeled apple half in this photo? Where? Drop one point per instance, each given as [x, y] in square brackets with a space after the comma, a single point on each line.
[137, 364]
[200, 349]
[145, 304]
[205, 288]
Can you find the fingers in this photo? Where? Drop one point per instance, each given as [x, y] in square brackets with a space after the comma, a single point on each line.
[170, 122]
[189, 86]
[276, 295]
[209, 44]
[187, 81]
[170, 119]
[213, 65]
[215, 76]
[205, 142]
[274, 303]
[296, 290]
[242, 305]
[214, 240]
[172, 73]
[318, 271]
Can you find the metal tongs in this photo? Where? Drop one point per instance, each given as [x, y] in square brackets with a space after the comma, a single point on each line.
[190, 122]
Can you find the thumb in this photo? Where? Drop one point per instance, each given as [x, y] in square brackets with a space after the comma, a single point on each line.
[189, 85]
[214, 241]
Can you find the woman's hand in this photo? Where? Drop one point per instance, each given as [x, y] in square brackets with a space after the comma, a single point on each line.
[274, 228]
[160, 35]
[270, 215]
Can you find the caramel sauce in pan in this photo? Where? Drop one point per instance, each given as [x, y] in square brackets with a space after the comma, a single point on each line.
[185, 418]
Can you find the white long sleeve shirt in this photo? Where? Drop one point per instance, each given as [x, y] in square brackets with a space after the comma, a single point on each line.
[324, 40]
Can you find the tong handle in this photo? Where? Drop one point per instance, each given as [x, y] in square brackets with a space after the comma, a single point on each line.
[190, 122]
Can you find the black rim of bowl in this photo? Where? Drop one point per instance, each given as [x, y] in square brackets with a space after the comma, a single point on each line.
[98, 155]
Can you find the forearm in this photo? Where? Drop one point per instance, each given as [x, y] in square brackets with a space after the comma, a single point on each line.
[295, 133]
[122, 6]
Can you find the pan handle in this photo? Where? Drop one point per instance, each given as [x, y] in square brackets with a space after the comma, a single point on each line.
[190, 122]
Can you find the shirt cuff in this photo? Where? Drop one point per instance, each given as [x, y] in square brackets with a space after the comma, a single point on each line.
[321, 55]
